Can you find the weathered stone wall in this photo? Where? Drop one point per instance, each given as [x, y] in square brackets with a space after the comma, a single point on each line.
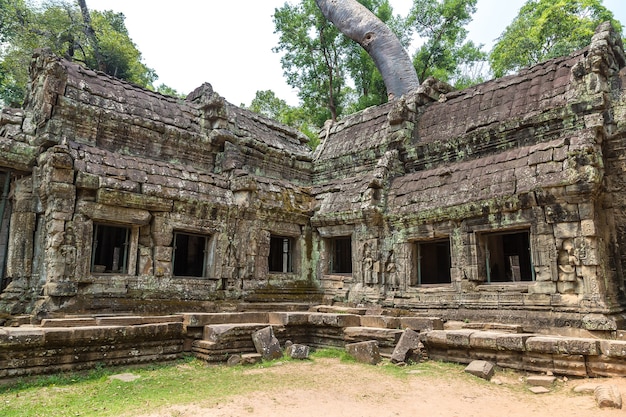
[73, 345]
[503, 201]
[115, 155]
[525, 153]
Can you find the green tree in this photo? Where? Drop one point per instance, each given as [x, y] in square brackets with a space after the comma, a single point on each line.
[268, 104]
[333, 74]
[166, 90]
[60, 26]
[312, 58]
[445, 53]
[545, 29]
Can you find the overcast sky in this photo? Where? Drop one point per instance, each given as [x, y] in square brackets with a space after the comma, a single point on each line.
[228, 43]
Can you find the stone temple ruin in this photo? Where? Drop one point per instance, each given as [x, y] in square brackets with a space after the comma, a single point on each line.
[504, 202]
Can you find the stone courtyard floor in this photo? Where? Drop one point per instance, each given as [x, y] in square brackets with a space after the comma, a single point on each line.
[347, 389]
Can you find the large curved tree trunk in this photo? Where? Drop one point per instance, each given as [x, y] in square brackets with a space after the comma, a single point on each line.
[359, 24]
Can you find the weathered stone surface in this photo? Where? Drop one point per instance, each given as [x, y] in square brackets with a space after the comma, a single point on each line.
[527, 161]
[298, 351]
[203, 319]
[481, 369]
[334, 320]
[366, 352]
[409, 341]
[251, 358]
[539, 390]
[541, 381]
[291, 318]
[234, 360]
[608, 396]
[587, 388]
[267, 344]
[73, 322]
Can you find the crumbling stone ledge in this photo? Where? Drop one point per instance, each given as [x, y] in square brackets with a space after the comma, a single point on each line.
[72, 344]
[572, 356]
[36, 350]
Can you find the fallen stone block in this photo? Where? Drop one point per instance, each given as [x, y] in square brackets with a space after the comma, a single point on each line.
[267, 344]
[409, 341]
[608, 396]
[588, 388]
[233, 360]
[541, 381]
[481, 369]
[298, 351]
[539, 390]
[251, 358]
[366, 352]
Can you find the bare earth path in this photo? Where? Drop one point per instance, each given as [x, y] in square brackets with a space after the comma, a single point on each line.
[329, 388]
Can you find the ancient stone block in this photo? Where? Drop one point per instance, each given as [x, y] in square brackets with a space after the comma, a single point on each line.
[298, 351]
[481, 369]
[203, 319]
[366, 352]
[537, 362]
[68, 322]
[380, 321]
[572, 365]
[578, 346]
[421, 324]
[459, 338]
[608, 396]
[267, 344]
[543, 344]
[484, 340]
[288, 318]
[218, 332]
[409, 341]
[334, 320]
[605, 366]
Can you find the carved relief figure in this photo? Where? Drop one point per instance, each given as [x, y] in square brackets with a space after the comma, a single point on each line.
[369, 277]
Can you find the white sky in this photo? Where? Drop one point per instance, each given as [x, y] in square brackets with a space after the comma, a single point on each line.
[228, 43]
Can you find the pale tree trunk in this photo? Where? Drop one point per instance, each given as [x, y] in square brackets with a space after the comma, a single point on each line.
[359, 24]
[91, 34]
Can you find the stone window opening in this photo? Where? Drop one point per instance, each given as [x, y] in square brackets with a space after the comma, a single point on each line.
[280, 259]
[507, 257]
[432, 263]
[110, 249]
[341, 255]
[190, 255]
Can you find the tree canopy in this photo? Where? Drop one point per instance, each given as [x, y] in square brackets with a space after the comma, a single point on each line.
[335, 76]
[445, 53]
[545, 29]
[61, 27]
[328, 69]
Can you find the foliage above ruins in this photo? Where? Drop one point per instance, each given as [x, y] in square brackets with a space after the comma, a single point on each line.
[60, 26]
[546, 29]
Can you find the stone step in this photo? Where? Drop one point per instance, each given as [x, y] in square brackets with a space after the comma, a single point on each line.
[203, 319]
[387, 339]
[69, 322]
[234, 331]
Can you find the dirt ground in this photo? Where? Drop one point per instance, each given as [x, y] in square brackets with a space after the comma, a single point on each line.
[335, 389]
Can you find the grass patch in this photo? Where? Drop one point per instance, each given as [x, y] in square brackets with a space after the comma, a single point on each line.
[96, 394]
[184, 382]
[332, 353]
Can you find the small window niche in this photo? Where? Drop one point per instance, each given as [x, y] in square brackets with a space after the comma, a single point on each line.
[190, 255]
[280, 259]
[507, 256]
[432, 263]
[110, 249]
[341, 255]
